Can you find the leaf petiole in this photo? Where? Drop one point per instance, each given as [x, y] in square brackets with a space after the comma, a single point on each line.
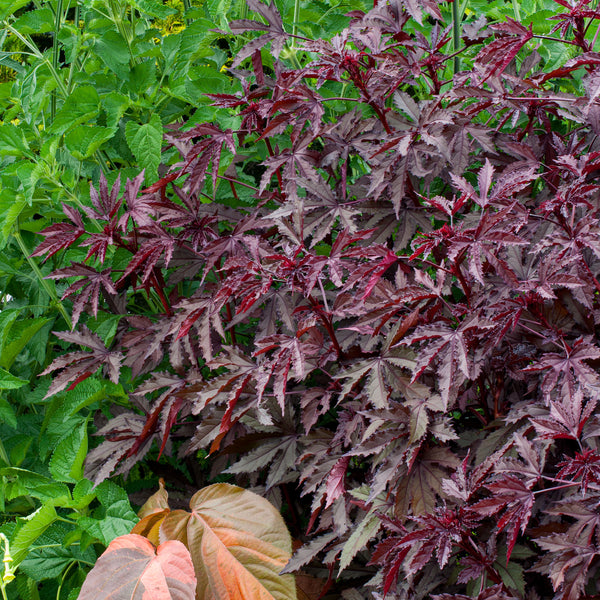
[40, 276]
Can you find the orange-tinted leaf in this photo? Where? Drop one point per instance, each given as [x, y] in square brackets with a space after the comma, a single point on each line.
[131, 568]
[157, 502]
[149, 526]
[238, 542]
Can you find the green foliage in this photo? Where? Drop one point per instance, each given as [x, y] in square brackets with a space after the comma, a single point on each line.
[145, 142]
[94, 95]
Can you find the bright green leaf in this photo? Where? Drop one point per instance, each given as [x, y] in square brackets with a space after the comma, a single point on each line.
[20, 444]
[7, 318]
[19, 335]
[170, 49]
[67, 459]
[83, 493]
[145, 142]
[40, 20]
[23, 482]
[152, 8]
[108, 493]
[12, 141]
[27, 587]
[115, 105]
[113, 50]
[118, 517]
[7, 413]
[10, 7]
[54, 430]
[49, 556]
[142, 76]
[11, 206]
[118, 520]
[81, 106]
[29, 174]
[83, 141]
[34, 526]
[10, 382]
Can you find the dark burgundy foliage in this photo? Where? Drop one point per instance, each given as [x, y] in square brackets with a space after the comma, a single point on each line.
[402, 321]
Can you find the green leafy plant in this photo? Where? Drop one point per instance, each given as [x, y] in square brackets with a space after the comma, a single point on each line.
[59, 540]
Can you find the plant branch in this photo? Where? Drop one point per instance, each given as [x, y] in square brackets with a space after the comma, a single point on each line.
[42, 280]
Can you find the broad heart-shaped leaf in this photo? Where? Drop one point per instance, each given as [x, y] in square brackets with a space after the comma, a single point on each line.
[132, 569]
[153, 513]
[237, 539]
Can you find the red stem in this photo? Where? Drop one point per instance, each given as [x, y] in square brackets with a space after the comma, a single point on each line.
[596, 282]
[230, 318]
[277, 172]
[472, 550]
[159, 290]
[232, 181]
[328, 326]
[456, 270]
[233, 190]
[228, 312]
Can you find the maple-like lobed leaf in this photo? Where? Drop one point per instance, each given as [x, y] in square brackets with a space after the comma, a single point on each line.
[88, 289]
[77, 366]
[61, 235]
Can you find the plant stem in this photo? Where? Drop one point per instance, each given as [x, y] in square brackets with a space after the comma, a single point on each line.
[43, 282]
[295, 23]
[553, 39]
[4, 454]
[114, 11]
[36, 52]
[232, 180]
[557, 487]
[8, 571]
[515, 4]
[456, 33]
[64, 576]
[186, 8]
[340, 98]
[278, 171]
[57, 25]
